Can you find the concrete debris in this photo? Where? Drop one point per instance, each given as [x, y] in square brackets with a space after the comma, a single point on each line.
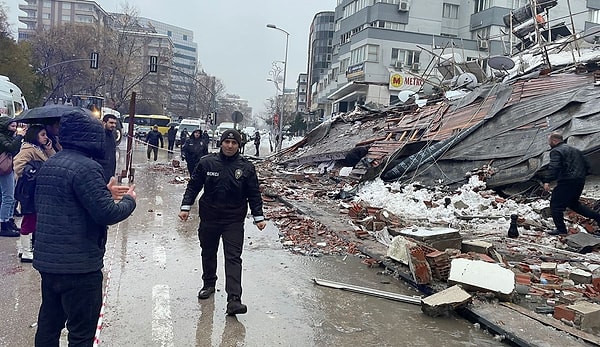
[436, 237]
[445, 301]
[398, 250]
[586, 315]
[470, 273]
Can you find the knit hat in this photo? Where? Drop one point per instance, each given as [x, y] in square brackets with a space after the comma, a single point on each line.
[232, 135]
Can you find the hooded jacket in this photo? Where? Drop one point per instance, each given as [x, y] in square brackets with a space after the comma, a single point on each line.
[73, 204]
[8, 142]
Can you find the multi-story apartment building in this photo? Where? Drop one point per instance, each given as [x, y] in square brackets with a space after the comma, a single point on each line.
[382, 47]
[301, 92]
[44, 14]
[320, 51]
[183, 67]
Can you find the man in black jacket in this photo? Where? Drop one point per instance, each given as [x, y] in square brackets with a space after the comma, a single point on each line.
[171, 135]
[568, 167]
[230, 184]
[109, 162]
[152, 140]
[74, 207]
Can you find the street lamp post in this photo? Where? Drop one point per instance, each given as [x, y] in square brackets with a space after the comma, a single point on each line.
[281, 118]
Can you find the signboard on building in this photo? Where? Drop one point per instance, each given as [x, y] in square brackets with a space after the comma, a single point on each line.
[355, 71]
[404, 81]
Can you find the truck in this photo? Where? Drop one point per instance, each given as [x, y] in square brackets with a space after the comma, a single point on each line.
[96, 105]
[12, 102]
[190, 124]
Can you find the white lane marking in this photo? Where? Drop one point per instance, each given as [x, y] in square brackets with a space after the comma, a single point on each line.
[160, 256]
[162, 325]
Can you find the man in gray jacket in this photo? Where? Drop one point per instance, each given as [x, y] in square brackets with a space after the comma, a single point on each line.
[74, 207]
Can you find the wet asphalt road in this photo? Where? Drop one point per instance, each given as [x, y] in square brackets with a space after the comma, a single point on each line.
[153, 274]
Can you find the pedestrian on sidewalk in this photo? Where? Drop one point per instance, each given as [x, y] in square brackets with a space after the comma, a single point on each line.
[109, 162]
[10, 143]
[257, 142]
[74, 208]
[568, 167]
[230, 184]
[35, 150]
[152, 140]
[171, 135]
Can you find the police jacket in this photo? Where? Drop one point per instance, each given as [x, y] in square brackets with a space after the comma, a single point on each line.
[230, 184]
[566, 164]
[73, 204]
[194, 149]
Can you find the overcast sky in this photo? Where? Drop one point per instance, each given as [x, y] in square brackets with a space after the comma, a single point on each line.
[233, 41]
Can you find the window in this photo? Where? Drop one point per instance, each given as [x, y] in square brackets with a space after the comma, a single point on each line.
[364, 53]
[66, 18]
[47, 4]
[481, 34]
[450, 11]
[405, 56]
[481, 5]
[184, 37]
[46, 16]
[169, 33]
[594, 16]
[66, 5]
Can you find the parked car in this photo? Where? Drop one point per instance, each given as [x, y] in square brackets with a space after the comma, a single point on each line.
[140, 132]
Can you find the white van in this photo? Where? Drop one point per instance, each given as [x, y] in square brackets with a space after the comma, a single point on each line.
[12, 102]
[189, 124]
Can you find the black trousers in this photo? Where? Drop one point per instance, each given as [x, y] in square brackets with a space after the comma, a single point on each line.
[566, 194]
[171, 145]
[72, 299]
[152, 149]
[256, 145]
[233, 243]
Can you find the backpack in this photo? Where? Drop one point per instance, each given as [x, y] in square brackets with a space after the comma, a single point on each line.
[25, 188]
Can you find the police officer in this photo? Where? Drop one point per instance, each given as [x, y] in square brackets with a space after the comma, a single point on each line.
[230, 185]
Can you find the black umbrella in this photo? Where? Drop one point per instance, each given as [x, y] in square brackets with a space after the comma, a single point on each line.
[47, 114]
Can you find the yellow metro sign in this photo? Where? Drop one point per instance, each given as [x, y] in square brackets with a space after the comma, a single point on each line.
[400, 81]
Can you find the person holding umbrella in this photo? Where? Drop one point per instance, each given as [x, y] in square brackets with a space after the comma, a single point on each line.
[9, 146]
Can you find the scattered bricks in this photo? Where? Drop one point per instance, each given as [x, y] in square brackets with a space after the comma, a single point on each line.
[563, 312]
[485, 258]
[439, 262]
[523, 267]
[587, 315]
[476, 246]
[546, 278]
[482, 275]
[443, 302]
[548, 268]
[596, 283]
[418, 265]
[581, 276]
[524, 279]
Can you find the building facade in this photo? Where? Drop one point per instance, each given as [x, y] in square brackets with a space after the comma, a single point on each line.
[382, 47]
[320, 52]
[183, 67]
[301, 91]
[45, 14]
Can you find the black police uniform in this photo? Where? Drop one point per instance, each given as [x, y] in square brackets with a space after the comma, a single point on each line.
[230, 185]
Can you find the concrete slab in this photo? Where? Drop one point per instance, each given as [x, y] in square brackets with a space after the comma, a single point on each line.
[443, 302]
[436, 237]
[587, 314]
[482, 275]
[477, 246]
[398, 250]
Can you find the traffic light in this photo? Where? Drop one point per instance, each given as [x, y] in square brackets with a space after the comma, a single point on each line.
[94, 60]
[153, 63]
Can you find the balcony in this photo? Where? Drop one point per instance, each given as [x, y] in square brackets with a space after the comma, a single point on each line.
[27, 19]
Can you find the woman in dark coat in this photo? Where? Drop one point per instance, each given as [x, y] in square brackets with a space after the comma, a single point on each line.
[9, 144]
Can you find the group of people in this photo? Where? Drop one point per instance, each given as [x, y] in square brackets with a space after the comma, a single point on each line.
[64, 173]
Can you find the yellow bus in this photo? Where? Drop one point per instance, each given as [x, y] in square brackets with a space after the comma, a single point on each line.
[148, 120]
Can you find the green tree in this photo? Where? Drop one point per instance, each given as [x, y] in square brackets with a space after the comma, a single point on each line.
[298, 125]
[15, 63]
